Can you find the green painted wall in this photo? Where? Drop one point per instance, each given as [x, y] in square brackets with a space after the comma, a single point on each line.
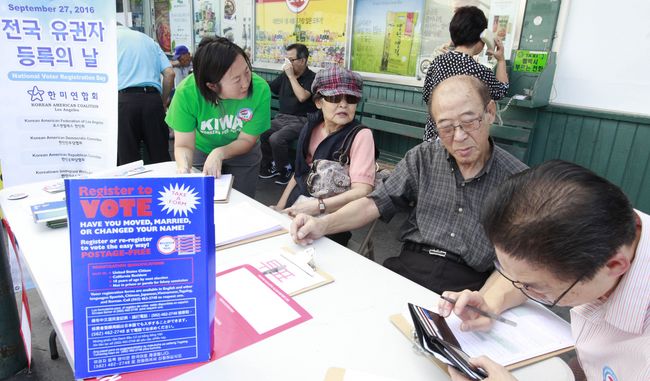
[616, 146]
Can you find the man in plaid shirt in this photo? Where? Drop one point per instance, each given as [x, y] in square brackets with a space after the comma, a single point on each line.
[442, 184]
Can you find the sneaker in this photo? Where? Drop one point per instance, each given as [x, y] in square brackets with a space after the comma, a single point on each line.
[269, 172]
[285, 176]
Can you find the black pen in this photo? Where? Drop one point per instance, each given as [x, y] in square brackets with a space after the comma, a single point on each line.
[479, 311]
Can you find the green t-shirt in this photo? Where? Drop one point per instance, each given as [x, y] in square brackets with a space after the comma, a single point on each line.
[219, 125]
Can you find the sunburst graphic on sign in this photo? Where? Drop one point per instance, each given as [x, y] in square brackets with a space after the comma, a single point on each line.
[180, 200]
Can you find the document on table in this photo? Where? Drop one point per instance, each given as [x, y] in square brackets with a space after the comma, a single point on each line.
[250, 308]
[539, 334]
[283, 267]
[222, 187]
[241, 222]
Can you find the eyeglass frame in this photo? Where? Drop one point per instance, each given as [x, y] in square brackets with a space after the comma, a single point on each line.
[463, 125]
[524, 287]
[294, 59]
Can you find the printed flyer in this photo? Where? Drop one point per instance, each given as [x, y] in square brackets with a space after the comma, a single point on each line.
[142, 255]
[59, 89]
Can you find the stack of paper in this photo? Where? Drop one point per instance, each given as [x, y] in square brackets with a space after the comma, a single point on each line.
[222, 187]
[241, 222]
[54, 213]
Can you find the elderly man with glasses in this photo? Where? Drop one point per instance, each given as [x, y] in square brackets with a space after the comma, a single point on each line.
[565, 236]
[442, 184]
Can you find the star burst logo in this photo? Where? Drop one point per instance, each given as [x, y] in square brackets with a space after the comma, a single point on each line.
[180, 200]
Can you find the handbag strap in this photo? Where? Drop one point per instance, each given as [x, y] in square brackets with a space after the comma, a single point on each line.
[342, 155]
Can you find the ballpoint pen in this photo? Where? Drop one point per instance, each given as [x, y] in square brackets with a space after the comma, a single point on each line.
[479, 311]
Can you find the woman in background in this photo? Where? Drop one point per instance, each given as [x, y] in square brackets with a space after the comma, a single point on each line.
[465, 30]
[336, 94]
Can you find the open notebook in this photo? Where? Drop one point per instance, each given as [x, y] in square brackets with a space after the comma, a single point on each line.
[238, 223]
[539, 334]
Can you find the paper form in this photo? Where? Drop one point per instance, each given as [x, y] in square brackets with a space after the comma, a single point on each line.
[222, 186]
[289, 277]
[340, 374]
[248, 296]
[241, 221]
[539, 331]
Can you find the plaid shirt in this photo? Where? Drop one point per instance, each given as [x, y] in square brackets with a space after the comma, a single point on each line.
[444, 207]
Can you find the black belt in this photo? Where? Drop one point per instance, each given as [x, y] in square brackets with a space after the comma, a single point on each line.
[139, 89]
[424, 249]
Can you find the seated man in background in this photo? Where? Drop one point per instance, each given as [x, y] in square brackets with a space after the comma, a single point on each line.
[442, 184]
[293, 88]
[565, 236]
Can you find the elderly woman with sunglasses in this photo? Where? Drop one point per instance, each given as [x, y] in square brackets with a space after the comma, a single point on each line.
[336, 94]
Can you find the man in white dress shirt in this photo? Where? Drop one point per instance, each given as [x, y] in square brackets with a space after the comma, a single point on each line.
[565, 236]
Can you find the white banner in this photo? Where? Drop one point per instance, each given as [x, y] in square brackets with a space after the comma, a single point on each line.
[180, 23]
[58, 84]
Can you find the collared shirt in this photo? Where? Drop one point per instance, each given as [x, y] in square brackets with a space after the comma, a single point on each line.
[139, 60]
[613, 336]
[444, 207]
[289, 103]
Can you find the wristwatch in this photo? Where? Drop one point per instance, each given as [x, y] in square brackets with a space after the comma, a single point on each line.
[321, 205]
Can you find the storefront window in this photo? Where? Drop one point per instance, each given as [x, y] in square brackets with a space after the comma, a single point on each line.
[319, 24]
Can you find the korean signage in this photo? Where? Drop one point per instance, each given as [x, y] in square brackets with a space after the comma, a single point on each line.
[180, 23]
[319, 24]
[386, 36]
[59, 89]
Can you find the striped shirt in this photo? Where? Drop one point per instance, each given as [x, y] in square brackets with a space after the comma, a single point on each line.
[444, 207]
[613, 336]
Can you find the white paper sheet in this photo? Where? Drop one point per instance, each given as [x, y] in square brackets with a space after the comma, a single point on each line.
[241, 221]
[222, 187]
[538, 331]
[262, 308]
[289, 276]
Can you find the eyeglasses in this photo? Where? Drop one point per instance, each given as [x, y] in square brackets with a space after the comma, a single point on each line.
[293, 59]
[350, 99]
[446, 130]
[526, 290]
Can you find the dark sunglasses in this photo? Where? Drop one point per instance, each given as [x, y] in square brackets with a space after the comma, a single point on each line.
[350, 99]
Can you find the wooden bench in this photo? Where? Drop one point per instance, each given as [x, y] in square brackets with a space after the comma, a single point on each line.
[513, 139]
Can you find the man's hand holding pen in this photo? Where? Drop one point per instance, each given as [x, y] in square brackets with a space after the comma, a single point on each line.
[472, 320]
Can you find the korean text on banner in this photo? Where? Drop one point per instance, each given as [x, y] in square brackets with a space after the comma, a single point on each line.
[59, 89]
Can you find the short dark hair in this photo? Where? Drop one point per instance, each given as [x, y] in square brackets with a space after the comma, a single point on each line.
[212, 60]
[301, 50]
[559, 216]
[466, 26]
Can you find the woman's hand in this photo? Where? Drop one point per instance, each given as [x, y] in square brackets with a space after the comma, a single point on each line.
[495, 371]
[307, 207]
[213, 162]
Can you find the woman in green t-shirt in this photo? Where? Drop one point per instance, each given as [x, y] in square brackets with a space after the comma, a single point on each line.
[217, 114]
